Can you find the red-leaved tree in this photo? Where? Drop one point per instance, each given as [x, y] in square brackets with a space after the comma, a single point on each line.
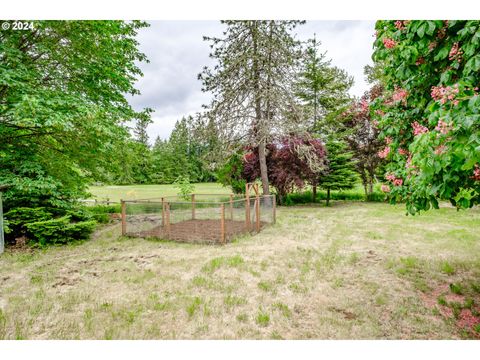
[291, 162]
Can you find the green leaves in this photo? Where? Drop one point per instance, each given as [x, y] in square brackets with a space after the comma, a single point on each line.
[472, 65]
[63, 106]
[440, 162]
[442, 53]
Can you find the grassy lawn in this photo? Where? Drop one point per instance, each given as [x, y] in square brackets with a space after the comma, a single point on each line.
[350, 271]
[130, 192]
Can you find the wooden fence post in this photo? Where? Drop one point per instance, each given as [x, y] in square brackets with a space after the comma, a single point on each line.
[231, 206]
[222, 224]
[124, 218]
[274, 209]
[247, 207]
[167, 219]
[163, 212]
[193, 206]
[257, 212]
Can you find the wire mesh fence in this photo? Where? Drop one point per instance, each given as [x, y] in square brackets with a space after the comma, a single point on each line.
[199, 218]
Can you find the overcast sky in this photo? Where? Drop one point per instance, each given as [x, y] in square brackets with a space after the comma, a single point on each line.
[177, 53]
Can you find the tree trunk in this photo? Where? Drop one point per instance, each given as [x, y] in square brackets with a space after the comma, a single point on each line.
[263, 167]
[314, 192]
[364, 181]
[328, 196]
[258, 115]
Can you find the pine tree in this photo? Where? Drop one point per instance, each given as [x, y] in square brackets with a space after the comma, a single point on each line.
[253, 83]
[323, 89]
[341, 172]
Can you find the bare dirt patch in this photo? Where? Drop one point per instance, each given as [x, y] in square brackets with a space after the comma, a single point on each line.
[197, 231]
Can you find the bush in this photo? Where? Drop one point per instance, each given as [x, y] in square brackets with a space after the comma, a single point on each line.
[45, 225]
[105, 209]
[58, 231]
[100, 213]
[351, 195]
[17, 218]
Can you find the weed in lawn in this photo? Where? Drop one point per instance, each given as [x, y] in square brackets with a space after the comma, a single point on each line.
[265, 286]
[262, 318]
[284, 309]
[276, 336]
[298, 288]
[456, 288]
[338, 282]
[447, 268]
[193, 306]
[3, 325]
[216, 263]
[353, 258]
[476, 288]
[242, 317]
[232, 301]
[442, 301]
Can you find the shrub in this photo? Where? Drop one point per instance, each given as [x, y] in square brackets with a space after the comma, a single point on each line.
[18, 217]
[105, 209]
[58, 231]
[352, 195]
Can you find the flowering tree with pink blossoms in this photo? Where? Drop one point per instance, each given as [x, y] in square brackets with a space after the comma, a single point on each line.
[429, 114]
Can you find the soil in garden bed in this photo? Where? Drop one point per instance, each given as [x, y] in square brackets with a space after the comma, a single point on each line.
[197, 231]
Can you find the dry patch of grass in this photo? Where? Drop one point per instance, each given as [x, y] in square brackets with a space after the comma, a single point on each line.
[357, 270]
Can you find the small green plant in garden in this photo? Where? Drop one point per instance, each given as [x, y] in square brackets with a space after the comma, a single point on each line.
[184, 186]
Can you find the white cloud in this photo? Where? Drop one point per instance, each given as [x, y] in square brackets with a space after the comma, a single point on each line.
[177, 53]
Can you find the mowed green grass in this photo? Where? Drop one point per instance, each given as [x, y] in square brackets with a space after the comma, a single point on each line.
[350, 271]
[131, 192]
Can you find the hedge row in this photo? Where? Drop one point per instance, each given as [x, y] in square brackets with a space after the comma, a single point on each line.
[352, 195]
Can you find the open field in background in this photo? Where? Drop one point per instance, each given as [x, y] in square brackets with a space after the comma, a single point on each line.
[131, 192]
[350, 271]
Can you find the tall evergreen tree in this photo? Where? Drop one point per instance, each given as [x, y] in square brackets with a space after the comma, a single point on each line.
[341, 173]
[253, 82]
[323, 89]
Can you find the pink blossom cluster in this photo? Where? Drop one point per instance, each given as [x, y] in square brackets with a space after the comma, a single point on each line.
[402, 151]
[443, 127]
[400, 95]
[385, 188]
[432, 45]
[384, 153]
[445, 93]
[388, 140]
[397, 182]
[389, 43]
[399, 24]
[476, 173]
[379, 112]
[418, 129]
[455, 53]
[392, 178]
